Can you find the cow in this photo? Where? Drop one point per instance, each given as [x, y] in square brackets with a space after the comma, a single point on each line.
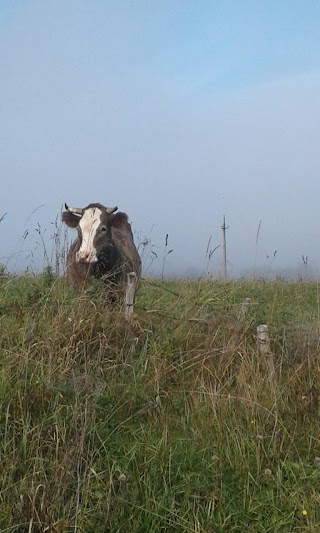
[104, 247]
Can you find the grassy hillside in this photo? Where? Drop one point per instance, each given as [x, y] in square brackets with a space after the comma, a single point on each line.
[170, 424]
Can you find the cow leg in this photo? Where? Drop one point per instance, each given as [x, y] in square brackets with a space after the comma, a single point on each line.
[130, 294]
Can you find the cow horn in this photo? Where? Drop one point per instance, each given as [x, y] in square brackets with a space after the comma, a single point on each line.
[111, 210]
[75, 210]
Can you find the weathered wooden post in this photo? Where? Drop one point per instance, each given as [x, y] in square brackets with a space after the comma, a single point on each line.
[130, 294]
[264, 347]
[243, 310]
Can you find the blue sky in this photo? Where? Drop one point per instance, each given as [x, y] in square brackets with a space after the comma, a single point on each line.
[178, 112]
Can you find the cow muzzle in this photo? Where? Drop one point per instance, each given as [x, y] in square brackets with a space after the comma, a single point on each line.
[86, 257]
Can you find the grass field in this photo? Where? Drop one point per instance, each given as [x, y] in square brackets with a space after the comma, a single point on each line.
[170, 424]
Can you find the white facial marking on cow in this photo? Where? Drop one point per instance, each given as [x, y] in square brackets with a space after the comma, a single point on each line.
[89, 224]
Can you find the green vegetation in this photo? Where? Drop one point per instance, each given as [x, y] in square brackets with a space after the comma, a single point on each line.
[170, 424]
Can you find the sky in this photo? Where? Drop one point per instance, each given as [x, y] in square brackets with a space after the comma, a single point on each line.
[179, 112]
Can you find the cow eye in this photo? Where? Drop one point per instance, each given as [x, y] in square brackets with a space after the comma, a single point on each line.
[103, 228]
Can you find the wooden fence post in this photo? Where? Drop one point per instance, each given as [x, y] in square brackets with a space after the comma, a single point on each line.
[130, 294]
[243, 310]
[264, 347]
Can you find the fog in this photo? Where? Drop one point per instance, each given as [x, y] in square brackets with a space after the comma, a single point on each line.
[136, 108]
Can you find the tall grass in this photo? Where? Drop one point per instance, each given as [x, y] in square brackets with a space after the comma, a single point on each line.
[167, 424]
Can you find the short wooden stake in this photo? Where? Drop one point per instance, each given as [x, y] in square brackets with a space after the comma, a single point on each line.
[264, 346]
[130, 294]
[243, 310]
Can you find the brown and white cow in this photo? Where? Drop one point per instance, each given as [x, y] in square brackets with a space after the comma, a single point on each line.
[104, 247]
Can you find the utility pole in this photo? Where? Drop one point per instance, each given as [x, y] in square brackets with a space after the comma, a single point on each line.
[224, 246]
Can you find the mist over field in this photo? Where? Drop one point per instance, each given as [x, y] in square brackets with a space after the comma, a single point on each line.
[175, 113]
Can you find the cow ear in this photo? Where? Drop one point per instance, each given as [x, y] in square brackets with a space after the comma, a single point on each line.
[118, 220]
[70, 219]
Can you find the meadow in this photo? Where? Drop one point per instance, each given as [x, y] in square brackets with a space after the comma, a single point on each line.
[170, 423]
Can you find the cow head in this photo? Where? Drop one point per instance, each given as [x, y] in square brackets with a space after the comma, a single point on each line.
[94, 229]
